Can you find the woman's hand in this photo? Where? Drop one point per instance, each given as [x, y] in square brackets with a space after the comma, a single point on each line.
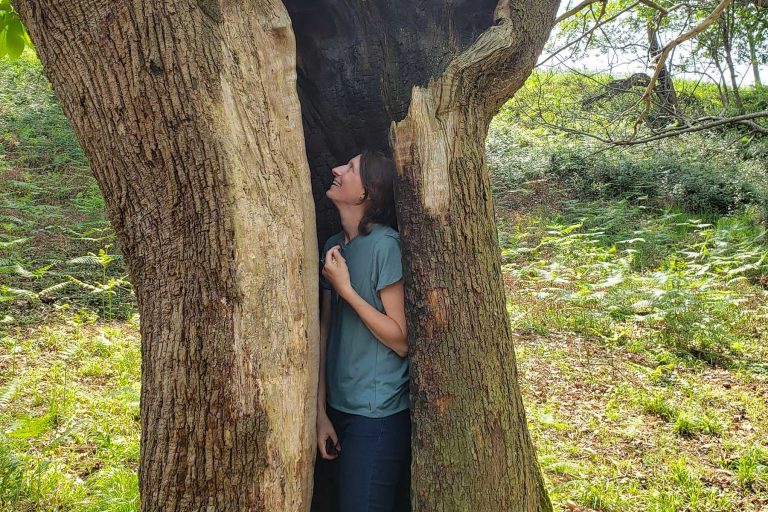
[335, 270]
[324, 431]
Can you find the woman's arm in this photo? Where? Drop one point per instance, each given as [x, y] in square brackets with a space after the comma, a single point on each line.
[325, 322]
[388, 327]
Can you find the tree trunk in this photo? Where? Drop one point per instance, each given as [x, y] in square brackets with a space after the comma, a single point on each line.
[725, 26]
[722, 86]
[664, 88]
[753, 58]
[188, 114]
[457, 308]
[191, 123]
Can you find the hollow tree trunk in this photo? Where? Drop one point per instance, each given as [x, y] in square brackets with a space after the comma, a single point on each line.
[188, 114]
[357, 63]
[190, 119]
[358, 66]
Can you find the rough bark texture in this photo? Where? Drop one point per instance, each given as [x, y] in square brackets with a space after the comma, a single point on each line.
[467, 408]
[189, 116]
[187, 111]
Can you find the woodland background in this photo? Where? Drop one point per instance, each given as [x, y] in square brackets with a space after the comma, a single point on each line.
[636, 276]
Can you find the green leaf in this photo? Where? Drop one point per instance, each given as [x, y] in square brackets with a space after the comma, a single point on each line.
[14, 38]
[27, 427]
[9, 292]
[18, 241]
[85, 260]
[54, 288]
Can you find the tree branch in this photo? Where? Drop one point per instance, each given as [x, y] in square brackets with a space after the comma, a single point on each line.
[662, 57]
[488, 72]
[745, 119]
[654, 5]
[589, 32]
[576, 9]
[616, 87]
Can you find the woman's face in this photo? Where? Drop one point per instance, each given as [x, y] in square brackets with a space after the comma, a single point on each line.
[347, 187]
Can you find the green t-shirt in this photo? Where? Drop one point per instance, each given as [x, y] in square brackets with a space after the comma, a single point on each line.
[364, 376]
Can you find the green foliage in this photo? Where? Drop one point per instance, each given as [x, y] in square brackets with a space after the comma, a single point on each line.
[13, 35]
[694, 186]
[685, 282]
[656, 254]
[752, 469]
[69, 417]
[54, 237]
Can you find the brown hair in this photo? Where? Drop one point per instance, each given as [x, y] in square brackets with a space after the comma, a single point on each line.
[377, 173]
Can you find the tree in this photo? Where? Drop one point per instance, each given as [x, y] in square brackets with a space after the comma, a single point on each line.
[189, 115]
[638, 107]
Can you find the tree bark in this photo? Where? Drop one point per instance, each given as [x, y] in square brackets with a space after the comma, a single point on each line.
[457, 308]
[188, 113]
[726, 22]
[722, 86]
[753, 59]
[189, 116]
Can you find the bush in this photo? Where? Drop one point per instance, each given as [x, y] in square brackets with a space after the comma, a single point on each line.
[693, 186]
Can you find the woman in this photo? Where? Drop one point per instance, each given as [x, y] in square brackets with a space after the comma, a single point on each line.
[363, 415]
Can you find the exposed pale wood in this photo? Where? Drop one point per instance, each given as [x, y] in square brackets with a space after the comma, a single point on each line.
[467, 409]
[189, 116]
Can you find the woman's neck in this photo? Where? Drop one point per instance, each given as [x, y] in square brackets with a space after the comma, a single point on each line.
[350, 220]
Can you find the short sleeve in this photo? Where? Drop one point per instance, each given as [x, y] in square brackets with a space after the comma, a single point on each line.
[388, 261]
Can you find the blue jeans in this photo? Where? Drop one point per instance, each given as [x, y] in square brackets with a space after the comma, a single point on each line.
[372, 472]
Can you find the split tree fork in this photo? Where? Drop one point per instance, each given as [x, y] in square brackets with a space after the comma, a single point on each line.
[190, 119]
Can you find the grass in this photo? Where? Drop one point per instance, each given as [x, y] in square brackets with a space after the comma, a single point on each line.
[639, 329]
[641, 342]
[69, 415]
[56, 245]
[69, 343]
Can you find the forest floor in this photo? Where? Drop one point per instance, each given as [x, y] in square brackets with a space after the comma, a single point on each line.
[644, 371]
[611, 437]
[640, 335]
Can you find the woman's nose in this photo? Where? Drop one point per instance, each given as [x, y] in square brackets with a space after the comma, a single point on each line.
[336, 171]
